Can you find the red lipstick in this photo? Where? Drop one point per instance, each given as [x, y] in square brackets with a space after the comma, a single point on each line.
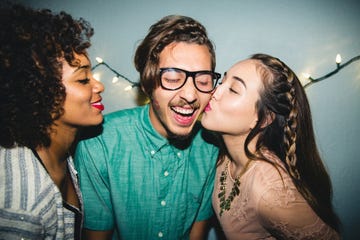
[207, 108]
[98, 105]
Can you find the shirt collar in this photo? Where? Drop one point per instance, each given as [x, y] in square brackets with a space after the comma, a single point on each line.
[153, 137]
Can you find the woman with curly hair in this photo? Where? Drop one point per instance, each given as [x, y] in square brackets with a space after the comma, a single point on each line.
[47, 95]
[271, 182]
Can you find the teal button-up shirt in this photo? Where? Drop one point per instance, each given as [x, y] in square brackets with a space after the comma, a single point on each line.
[135, 181]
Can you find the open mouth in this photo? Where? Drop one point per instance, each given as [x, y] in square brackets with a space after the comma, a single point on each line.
[184, 116]
[187, 112]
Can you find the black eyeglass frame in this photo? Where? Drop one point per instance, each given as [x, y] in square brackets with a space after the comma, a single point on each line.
[188, 74]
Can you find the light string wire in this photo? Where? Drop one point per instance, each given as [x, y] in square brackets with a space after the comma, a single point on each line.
[311, 81]
[100, 61]
[339, 66]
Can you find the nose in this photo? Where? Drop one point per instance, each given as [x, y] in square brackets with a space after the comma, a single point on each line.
[97, 86]
[189, 92]
[217, 92]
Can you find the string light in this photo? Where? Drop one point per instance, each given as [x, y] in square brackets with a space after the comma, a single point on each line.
[339, 66]
[96, 76]
[115, 79]
[338, 60]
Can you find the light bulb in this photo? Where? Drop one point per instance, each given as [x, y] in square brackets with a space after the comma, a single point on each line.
[128, 88]
[96, 76]
[99, 60]
[306, 75]
[338, 59]
[115, 79]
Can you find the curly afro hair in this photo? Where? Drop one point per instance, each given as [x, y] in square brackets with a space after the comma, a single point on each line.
[33, 44]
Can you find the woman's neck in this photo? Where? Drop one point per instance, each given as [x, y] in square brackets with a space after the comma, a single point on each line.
[54, 157]
[236, 153]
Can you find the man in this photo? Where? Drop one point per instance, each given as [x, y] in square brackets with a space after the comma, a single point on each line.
[150, 173]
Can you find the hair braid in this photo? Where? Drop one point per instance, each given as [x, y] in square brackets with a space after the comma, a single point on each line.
[280, 98]
[290, 135]
[290, 129]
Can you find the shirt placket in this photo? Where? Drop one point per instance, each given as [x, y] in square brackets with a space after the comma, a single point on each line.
[167, 161]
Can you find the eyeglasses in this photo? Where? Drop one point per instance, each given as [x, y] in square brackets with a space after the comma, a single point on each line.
[175, 78]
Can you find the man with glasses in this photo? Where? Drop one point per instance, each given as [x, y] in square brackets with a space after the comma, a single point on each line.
[150, 173]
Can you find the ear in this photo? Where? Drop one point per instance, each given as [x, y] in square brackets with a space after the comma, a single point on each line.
[143, 92]
[143, 89]
[270, 116]
[253, 124]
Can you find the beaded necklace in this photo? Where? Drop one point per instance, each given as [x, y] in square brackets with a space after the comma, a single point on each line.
[235, 191]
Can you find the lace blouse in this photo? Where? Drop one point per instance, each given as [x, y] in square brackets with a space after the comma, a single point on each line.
[268, 208]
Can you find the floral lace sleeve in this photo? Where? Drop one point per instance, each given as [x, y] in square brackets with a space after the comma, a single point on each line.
[286, 214]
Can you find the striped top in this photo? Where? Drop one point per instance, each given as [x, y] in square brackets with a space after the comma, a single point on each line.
[31, 205]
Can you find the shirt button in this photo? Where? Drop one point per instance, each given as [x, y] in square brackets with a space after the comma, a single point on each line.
[179, 154]
[166, 173]
[160, 234]
[152, 152]
[163, 203]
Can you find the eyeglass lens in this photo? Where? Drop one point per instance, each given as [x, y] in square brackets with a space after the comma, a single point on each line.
[173, 79]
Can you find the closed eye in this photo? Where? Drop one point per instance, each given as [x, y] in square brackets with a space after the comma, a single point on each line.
[84, 81]
[172, 80]
[233, 91]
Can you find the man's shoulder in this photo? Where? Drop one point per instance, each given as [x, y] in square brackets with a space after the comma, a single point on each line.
[122, 119]
[122, 115]
[114, 123]
[204, 136]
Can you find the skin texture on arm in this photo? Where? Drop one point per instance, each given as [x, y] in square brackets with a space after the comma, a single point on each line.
[97, 235]
[199, 230]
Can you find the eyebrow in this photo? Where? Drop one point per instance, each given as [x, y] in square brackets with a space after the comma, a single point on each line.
[82, 67]
[240, 80]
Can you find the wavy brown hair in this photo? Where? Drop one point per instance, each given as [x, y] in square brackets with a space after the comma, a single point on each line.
[33, 44]
[172, 28]
[290, 135]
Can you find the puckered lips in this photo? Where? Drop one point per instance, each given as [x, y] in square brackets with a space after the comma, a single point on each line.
[207, 108]
[98, 105]
[184, 115]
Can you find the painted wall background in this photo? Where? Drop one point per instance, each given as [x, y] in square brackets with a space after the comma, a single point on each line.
[306, 35]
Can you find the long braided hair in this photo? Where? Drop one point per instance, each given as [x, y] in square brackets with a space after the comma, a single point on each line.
[290, 135]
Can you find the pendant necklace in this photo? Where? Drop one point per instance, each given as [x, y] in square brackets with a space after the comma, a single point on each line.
[235, 191]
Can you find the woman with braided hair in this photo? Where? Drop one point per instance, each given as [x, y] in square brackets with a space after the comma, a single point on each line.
[271, 182]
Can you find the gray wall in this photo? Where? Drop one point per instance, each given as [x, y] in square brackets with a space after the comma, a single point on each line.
[307, 35]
